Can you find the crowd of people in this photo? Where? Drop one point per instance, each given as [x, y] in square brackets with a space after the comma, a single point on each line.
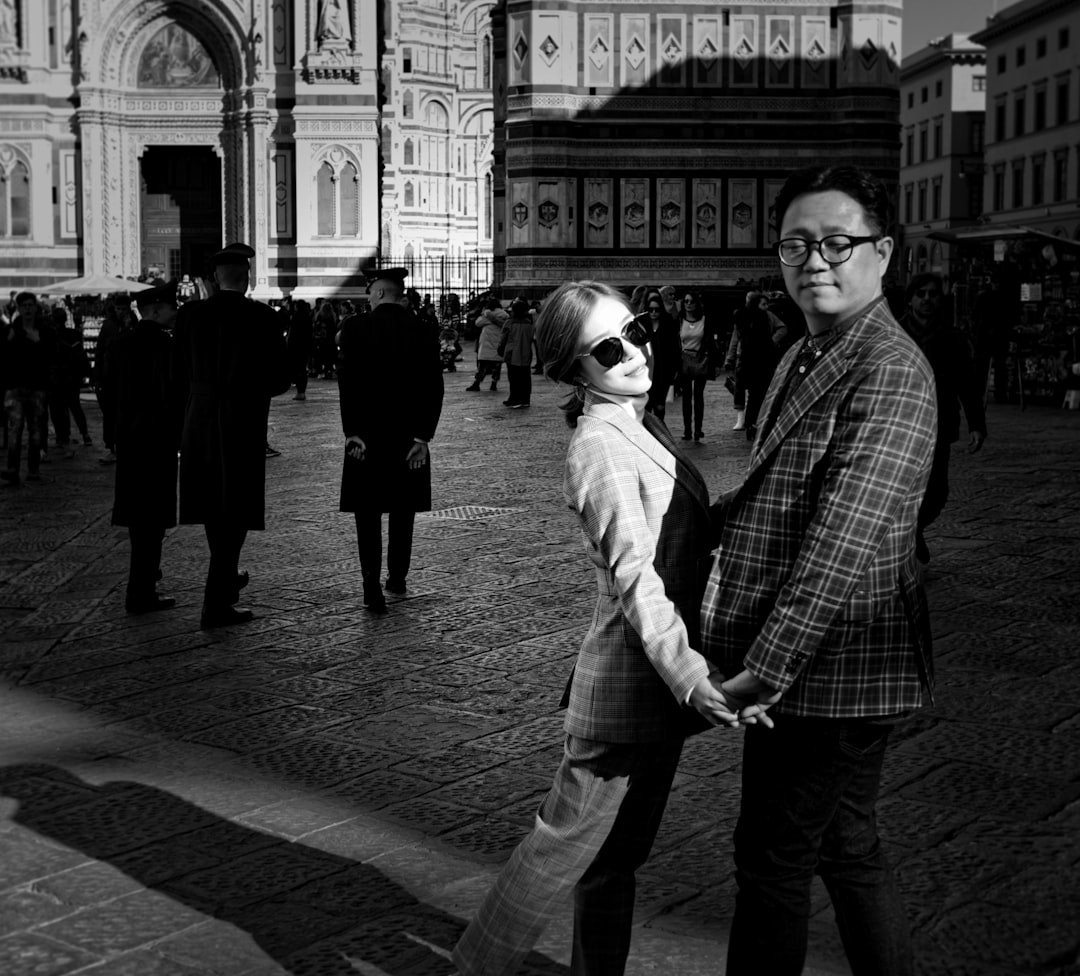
[791, 605]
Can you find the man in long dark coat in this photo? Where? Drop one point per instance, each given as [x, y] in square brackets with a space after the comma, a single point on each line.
[391, 390]
[147, 433]
[229, 359]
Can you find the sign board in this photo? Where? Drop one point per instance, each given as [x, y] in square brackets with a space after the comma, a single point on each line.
[1031, 292]
[999, 250]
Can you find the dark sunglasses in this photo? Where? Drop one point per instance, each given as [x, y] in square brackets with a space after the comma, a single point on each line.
[609, 352]
[654, 308]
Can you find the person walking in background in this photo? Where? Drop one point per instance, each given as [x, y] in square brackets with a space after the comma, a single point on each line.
[325, 327]
[957, 385]
[229, 358]
[516, 346]
[640, 686]
[697, 343]
[994, 318]
[488, 358]
[27, 365]
[299, 342]
[814, 606]
[71, 369]
[147, 412]
[664, 342]
[760, 338]
[390, 386]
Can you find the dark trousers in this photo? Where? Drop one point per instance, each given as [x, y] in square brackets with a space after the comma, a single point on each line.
[937, 486]
[488, 367]
[24, 408]
[398, 545]
[63, 405]
[145, 563]
[809, 792]
[520, 378]
[108, 419]
[300, 374]
[693, 402]
[225, 542]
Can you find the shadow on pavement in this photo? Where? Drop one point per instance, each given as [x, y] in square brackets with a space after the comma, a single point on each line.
[313, 912]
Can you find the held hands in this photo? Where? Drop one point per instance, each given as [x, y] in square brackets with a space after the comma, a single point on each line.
[975, 440]
[722, 707]
[355, 447]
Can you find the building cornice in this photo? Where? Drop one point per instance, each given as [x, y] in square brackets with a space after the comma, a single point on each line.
[1019, 15]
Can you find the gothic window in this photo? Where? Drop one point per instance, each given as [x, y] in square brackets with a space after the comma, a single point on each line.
[325, 200]
[349, 201]
[408, 152]
[485, 61]
[406, 105]
[409, 195]
[15, 201]
[406, 60]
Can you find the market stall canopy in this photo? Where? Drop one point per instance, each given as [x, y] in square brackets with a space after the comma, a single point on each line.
[988, 233]
[95, 284]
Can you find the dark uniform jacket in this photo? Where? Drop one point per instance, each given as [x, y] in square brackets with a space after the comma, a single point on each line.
[391, 391]
[136, 378]
[229, 359]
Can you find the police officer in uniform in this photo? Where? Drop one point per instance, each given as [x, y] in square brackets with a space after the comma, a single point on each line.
[229, 359]
[391, 392]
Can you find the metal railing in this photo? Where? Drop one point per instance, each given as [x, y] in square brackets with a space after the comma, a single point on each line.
[440, 276]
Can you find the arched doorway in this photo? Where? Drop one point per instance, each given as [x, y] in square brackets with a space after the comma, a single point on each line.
[180, 210]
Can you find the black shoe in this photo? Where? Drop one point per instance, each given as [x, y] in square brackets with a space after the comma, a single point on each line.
[223, 617]
[751, 432]
[507, 403]
[493, 388]
[699, 436]
[393, 585]
[148, 604]
[272, 452]
[686, 435]
[373, 598]
[472, 389]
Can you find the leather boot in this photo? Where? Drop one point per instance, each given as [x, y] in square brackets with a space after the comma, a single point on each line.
[740, 420]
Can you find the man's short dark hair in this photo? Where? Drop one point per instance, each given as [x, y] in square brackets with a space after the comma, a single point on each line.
[865, 189]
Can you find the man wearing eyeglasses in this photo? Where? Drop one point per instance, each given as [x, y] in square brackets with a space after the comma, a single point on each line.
[814, 605]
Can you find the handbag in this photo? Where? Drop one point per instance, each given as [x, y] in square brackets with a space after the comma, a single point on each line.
[695, 365]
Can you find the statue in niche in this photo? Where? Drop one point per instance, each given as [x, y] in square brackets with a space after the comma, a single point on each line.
[7, 22]
[333, 29]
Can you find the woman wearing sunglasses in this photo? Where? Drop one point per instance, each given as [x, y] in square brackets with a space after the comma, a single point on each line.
[639, 687]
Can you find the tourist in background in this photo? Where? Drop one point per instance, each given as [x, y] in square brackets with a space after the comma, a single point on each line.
[697, 365]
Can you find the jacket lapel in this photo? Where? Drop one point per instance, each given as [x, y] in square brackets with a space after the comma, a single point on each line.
[832, 367]
[655, 440]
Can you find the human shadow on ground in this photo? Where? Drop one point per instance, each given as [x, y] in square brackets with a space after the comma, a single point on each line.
[310, 911]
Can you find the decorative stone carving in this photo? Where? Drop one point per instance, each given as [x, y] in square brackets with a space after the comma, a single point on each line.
[742, 213]
[334, 26]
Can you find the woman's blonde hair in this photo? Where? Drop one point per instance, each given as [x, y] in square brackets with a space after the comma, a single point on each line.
[558, 334]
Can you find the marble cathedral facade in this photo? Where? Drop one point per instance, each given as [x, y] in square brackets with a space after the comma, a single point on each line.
[141, 135]
[646, 142]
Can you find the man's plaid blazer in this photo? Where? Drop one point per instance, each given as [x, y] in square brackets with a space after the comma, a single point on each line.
[644, 512]
[814, 586]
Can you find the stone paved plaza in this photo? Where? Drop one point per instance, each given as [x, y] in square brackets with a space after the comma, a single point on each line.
[326, 792]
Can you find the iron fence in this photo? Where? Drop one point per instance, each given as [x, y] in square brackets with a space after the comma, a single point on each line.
[440, 276]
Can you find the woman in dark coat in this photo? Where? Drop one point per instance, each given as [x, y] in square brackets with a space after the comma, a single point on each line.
[147, 430]
[666, 352]
[300, 340]
[391, 390]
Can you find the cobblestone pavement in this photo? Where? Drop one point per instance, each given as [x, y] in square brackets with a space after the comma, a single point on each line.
[324, 792]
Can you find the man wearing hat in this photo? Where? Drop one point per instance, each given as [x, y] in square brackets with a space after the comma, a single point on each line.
[229, 359]
[391, 392]
[136, 376]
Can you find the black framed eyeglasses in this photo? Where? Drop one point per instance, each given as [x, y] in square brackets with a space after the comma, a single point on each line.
[609, 352]
[834, 249]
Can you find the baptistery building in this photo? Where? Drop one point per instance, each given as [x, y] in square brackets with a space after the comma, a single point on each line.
[646, 142]
[139, 136]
